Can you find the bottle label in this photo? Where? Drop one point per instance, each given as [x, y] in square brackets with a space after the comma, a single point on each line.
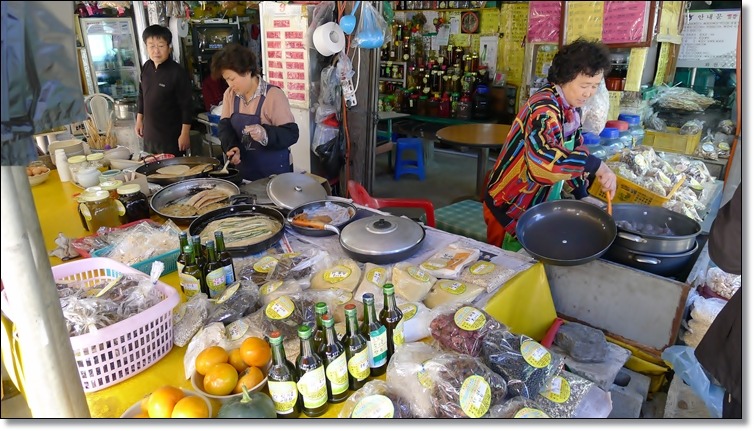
[409, 311]
[336, 274]
[265, 264]
[280, 308]
[398, 338]
[558, 391]
[313, 388]
[342, 296]
[482, 267]
[228, 293]
[475, 396]
[270, 287]
[535, 354]
[374, 406]
[453, 287]
[358, 365]
[237, 329]
[418, 274]
[377, 276]
[446, 260]
[216, 282]
[423, 376]
[529, 413]
[469, 319]
[190, 285]
[377, 346]
[337, 374]
[284, 395]
[229, 276]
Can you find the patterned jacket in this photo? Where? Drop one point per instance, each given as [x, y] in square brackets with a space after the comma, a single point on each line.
[534, 158]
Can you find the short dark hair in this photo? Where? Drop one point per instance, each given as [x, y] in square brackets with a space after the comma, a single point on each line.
[234, 57]
[159, 32]
[580, 56]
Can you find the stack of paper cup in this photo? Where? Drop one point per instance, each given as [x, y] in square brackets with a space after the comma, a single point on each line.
[61, 162]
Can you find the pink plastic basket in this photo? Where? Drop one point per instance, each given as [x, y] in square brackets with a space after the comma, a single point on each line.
[112, 354]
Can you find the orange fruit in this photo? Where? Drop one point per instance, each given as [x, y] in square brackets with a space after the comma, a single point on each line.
[208, 357]
[235, 359]
[191, 407]
[162, 401]
[220, 379]
[251, 377]
[144, 404]
[255, 351]
[142, 415]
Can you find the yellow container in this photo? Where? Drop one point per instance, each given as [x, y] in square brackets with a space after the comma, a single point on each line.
[631, 193]
[671, 141]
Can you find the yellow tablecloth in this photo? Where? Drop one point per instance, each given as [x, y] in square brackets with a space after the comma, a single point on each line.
[56, 208]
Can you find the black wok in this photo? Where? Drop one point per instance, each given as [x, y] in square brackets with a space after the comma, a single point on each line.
[313, 228]
[202, 221]
[151, 168]
[566, 232]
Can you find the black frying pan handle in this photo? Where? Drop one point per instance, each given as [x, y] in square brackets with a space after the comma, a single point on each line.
[243, 198]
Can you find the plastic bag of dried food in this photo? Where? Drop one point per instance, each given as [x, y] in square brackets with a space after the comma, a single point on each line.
[462, 328]
[594, 113]
[416, 320]
[297, 266]
[189, 317]
[525, 364]
[448, 292]
[236, 301]
[211, 335]
[654, 122]
[450, 261]
[486, 274]
[336, 300]
[722, 283]
[375, 276]
[374, 400]
[343, 274]
[275, 288]
[727, 126]
[567, 396]
[518, 408]
[691, 127]
[411, 282]
[462, 386]
[407, 377]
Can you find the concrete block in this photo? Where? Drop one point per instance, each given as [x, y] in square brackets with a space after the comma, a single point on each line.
[626, 403]
[601, 373]
[654, 406]
[634, 381]
[683, 402]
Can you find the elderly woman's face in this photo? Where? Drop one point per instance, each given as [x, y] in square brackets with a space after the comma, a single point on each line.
[578, 91]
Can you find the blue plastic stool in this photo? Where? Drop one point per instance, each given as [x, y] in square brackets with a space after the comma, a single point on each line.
[409, 166]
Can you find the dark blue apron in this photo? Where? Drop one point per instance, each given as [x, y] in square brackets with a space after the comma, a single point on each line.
[259, 161]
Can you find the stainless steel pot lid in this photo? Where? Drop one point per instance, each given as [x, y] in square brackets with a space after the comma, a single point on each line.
[291, 189]
[380, 235]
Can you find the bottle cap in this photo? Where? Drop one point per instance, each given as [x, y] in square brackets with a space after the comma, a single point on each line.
[304, 332]
[320, 308]
[367, 298]
[327, 321]
[130, 189]
[388, 288]
[609, 133]
[276, 338]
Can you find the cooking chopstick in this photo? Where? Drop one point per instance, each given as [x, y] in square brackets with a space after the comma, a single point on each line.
[609, 204]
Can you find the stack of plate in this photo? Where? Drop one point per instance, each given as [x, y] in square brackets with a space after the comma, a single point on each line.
[72, 147]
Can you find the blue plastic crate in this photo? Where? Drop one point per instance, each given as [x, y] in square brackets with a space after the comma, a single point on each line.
[145, 266]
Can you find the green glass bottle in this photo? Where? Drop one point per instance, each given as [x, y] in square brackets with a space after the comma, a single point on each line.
[320, 309]
[281, 381]
[392, 317]
[376, 336]
[356, 350]
[336, 366]
[214, 272]
[223, 255]
[201, 260]
[191, 276]
[312, 383]
[180, 262]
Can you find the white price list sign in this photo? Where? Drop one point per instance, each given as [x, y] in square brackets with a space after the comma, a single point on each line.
[709, 39]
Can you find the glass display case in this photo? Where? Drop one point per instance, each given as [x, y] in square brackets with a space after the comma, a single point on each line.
[113, 55]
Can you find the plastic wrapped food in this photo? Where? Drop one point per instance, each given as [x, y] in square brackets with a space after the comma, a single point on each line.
[570, 396]
[691, 127]
[236, 301]
[524, 363]
[450, 261]
[375, 276]
[296, 266]
[462, 328]
[594, 113]
[518, 408]
[344, 274]
[722, 283]
[411, 282]
[407, 377]
[375, 400]
[189, 317]
[452, 292]
[462, 386]
[486, 274]
[416, 320]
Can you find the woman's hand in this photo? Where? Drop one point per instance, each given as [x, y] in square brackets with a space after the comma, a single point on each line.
[607, 179]
[139, 127]
[234, 155]
[184, 142]
[257, 133]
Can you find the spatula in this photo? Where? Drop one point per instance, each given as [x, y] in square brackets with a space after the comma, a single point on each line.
[224, 170]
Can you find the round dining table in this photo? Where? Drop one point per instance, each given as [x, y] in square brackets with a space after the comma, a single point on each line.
[481, 137]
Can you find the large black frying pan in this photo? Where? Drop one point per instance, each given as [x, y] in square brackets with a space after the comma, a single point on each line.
[566, 232]
[314, 228]
[202, 221]
[151, 168]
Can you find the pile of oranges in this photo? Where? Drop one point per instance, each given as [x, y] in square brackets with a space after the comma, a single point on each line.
[170, 402]
[224, 372]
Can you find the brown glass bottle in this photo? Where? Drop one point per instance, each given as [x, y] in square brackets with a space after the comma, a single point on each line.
[376, 336]
[281, 381]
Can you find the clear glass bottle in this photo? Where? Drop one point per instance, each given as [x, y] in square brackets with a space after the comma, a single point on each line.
[376, 336]
[357, 354]
[392, 317]
[333, 354]
[281, 381]
[312, 383]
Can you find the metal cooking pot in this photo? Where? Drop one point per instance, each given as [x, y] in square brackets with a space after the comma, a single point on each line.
[185, 188]
[382, 239]
[151, 168]
[292, 189]
[203, 220]
[666, 265]
[319, 228]
[685, 230]
[565, 232]
[125, 109]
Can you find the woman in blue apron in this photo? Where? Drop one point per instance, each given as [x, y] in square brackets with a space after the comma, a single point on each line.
[256, 125]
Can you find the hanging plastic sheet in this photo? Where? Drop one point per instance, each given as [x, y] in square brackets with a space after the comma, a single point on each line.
[39, 92]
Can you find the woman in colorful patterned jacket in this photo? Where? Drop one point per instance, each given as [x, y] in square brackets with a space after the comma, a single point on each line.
[544, 149]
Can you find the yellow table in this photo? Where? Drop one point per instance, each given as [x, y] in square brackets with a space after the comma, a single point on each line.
[56, 208]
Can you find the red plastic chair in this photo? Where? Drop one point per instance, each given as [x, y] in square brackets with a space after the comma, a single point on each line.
[360, 195]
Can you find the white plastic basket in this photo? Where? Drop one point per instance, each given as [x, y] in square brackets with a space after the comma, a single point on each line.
[112, 354]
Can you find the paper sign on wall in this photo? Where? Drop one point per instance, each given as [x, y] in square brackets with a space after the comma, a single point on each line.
[286, 53]
[709, 39]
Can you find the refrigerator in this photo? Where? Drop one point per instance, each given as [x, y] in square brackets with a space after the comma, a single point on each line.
[112, 56]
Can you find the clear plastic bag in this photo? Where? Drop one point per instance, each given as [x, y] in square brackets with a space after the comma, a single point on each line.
[692, 127]
[236, 301]
[688, 368]
[407, 377]
[567, 395]
[189, 317]
[375, 400]
[594, 112]
[722, 283]
[462, 328]
[518, 408]
[450, 261]
[371, 29]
